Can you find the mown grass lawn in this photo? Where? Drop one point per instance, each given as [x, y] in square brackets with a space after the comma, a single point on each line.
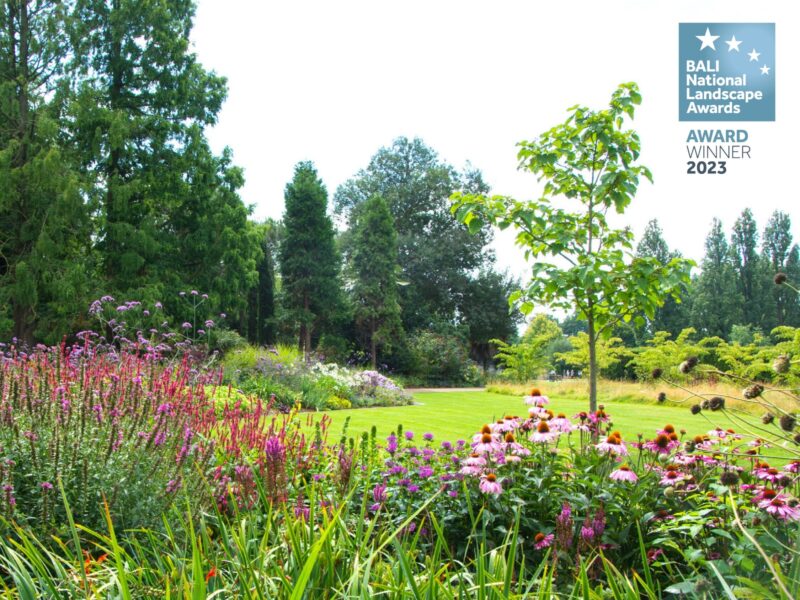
[458, 415]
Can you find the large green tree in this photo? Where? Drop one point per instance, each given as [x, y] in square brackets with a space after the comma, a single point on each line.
[436, 254]
[171, 216]
[309, 261]
[374, 269]
[715, 298]
[580, 262]
[261, 298]
[45, 225]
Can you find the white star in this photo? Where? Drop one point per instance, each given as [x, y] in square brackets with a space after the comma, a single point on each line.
[708, 40]
[733, 44]
[765, 70]
[754, 55]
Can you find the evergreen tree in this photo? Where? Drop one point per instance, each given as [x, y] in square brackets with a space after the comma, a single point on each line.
[715, 299]
[309, 262]
[374, 270]
[261, 298]
[171, 215]
[781, 256]
[672, 315]
[749, 270]
[45, 224]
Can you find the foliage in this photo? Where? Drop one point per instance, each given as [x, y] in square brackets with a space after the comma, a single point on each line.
[114, 428]
[438, 358]
[530, 357]
[589, 158]
[609, 353]
[437, 256]
[283, 374]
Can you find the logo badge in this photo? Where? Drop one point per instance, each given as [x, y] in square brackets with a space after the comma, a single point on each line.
[727, 72]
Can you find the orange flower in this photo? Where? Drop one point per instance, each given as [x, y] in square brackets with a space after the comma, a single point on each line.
[211, 573]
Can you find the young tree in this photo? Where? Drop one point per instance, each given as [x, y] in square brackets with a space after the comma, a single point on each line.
[590, 159]
[374, 267]
[309, 262]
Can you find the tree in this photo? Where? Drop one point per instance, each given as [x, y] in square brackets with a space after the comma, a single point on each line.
[309, 262]
[715, 304]
[45, 224]
[672, 315]
[374, 268]
[749, 269]
[590, 159]
[781, 256]
[436, 254]
[261, 298]
[485, 313]
[170, 216]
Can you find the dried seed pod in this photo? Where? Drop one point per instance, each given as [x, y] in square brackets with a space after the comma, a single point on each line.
[781, 364]
[753, 391]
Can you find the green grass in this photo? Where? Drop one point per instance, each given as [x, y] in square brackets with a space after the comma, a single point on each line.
[458, 415]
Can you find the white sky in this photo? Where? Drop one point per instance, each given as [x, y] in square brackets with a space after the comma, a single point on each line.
[334, 81]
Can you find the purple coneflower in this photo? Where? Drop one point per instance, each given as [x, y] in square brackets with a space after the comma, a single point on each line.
[612, 445]
[671, 477]
[780, 508]
[542, 541]
[490, 485]
[543, 433]
[624, 473]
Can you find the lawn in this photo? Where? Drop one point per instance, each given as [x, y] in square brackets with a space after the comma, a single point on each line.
[458, 415]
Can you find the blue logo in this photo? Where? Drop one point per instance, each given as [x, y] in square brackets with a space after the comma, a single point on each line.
[727, 72]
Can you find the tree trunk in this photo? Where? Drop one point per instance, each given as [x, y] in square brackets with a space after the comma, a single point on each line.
[373, 348]
[592, 363]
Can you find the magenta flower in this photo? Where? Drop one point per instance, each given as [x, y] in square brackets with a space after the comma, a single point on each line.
[542, 541]
[780, 508]
[613, 445]
[186, 325]
[672, 477]
[624, 473]
[490, 485]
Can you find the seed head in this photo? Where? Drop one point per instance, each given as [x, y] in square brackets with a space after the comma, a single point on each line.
[729, 478]
[662, 397]
[696, 409]
[788, 422]
[781, 364]
[753, 391]
[687, 365]
[780, 278]
[768, 418]
[716, 403]
[657, 372]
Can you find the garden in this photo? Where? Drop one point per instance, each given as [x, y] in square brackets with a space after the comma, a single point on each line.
[354, 400]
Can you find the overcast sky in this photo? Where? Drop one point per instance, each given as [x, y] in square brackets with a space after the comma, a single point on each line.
[334, 81]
